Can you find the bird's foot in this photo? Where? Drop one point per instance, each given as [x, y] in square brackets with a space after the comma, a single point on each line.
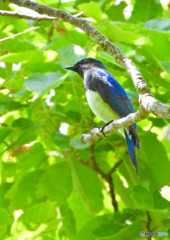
[102, 128]
[95, 127]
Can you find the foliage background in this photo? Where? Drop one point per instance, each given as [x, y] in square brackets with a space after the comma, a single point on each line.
[46, 192]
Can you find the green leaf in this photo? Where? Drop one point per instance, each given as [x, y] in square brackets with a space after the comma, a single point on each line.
[4, 132]
[119, 223]
[45, 188]
[160, 202]
[130, 232]
[61, 141]
[7, 104]
[29, 57]
[56, 183]
[166, 65]
[156, 158]
[75, 115]
[108, 228]
[3, 230]
[15, 46]
[33, 158]
[86, 232]
[5, 218]
[87, 188]
[88, 9]
[69, 223]
[158, 39]
[142, 197]
[43, 68]
[76, 143]
[77, 38]
[145, 10]
[43, 84]
[48, 2]
[162, 25]
[38, 214]
[122, 35]
[115, 12]
[83, 1]
[22, 193]
[123, 192]
[68, 53]
[24, 123]
[82, 216]
[4, 187]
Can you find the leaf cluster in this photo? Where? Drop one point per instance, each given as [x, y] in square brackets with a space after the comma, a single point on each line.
[46, 192]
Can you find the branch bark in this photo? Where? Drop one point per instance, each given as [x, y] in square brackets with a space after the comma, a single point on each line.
[148, 104]
[26, 16]
[97, 133]
[148, 224]
[39, 17]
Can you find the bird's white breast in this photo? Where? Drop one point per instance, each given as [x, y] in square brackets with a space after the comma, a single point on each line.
[100, 108]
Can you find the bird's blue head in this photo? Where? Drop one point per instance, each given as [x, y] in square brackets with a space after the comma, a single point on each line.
[85, 65]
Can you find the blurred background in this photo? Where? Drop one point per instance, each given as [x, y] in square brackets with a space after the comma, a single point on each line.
[46, 190]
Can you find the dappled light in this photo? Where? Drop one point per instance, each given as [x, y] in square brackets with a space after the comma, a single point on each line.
[52, 184]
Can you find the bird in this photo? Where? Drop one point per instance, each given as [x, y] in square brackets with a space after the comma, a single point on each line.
[107, 99]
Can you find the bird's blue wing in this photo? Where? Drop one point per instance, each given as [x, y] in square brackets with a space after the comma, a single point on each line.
[131, 140]
[112, 92]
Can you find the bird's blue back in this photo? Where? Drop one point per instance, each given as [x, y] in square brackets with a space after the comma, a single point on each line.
[112, 92]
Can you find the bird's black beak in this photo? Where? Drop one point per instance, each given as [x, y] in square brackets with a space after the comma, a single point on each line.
[72, 68]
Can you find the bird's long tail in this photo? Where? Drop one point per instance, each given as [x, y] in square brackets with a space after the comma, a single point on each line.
[131, 142]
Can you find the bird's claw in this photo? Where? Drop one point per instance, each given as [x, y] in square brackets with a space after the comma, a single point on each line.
[95, 126]
[102, 128]
[93, 129]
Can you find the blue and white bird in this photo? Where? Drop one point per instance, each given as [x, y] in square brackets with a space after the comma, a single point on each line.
[107, 98]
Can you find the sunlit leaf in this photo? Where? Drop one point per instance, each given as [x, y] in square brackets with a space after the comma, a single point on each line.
[42, 84]
[56, 183]
[87, 188]
[145, 10]
[29, 57]
[88, 9]
[51, 185]
[5, 218]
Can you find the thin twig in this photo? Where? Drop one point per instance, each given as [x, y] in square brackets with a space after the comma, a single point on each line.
[78, 14]
[50, 33]
[112, 192]
[149, 219]
[148, 224]
[106, 176]
[94, 164]
[115, 167]
[25, 31]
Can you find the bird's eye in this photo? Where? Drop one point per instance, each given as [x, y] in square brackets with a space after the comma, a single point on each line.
[85, 61]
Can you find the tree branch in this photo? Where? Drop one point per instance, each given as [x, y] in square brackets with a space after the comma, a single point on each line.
[148, 224]
[97, 133]
[148, 104]
[25, 31]
[26, 16]
[39, 17]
